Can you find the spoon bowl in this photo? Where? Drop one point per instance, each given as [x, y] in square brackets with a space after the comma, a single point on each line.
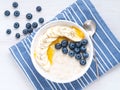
[90, 27]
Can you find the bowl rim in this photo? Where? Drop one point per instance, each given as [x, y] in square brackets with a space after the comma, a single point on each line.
[48, 25]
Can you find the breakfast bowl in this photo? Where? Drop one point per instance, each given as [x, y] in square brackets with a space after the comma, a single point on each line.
[61, 51]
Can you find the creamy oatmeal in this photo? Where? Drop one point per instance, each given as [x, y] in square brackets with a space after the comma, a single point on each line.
[52, 61]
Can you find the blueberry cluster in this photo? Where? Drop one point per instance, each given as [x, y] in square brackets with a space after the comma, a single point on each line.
[29, 27]
[74, 49]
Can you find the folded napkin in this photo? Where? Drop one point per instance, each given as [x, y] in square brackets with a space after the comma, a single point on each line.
[106, 46]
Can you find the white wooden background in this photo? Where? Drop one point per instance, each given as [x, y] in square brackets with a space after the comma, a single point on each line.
[12, 77]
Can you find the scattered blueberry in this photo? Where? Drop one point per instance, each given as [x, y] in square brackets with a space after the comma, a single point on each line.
[17, 35]
[85, 55]
[64, 50]
[64, 43]
[16, 25]
[78, 44]
[83, 49]
[77, 50]
[82, 62]
[38, 8]
[71, 45]
[15, 4]
[58, 46]
[78, 56]
[30, 30]
[34, 24]
[25, 31]
[16, 13]
[41, 20]
[28, 25]
[71, 53]
[7, 13]
[8, 31]
[84, 42]
[29, 16]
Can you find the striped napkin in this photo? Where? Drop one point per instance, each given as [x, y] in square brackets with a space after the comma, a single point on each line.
[106, 46]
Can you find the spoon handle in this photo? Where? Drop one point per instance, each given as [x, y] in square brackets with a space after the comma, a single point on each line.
[95, 59]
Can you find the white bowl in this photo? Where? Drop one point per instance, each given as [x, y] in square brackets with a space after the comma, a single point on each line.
[41, 31]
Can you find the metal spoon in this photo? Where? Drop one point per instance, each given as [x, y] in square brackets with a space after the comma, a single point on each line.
[90, 27]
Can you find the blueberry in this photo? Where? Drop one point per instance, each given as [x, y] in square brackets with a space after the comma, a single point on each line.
[41, 20]
[16, 25]
[15, 4]
[84, 42]
[16, 13]
[28, 25]
[64, 43]
[8, 31]
[71, 53]
[25, 31]
[34, 24]
[82, 49]
[64, 50]
[29, 16]
[83, 62]
[30, 30]
[78, 44]
[77, 50]
[58, 46]
[71, 45]
[85, 55]
[38, 8]
[78, 56]
[17, 35]
[7, 13]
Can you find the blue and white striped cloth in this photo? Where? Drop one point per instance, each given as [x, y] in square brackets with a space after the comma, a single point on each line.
[106, 46]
